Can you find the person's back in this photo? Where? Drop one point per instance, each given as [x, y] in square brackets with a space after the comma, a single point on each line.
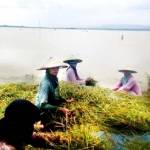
[71, 72]
[135, 88]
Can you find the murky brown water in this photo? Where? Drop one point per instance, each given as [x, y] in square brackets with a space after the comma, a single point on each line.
[103, 52]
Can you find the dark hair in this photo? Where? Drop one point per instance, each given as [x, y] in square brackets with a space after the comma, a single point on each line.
[16, 128]
[21, 110]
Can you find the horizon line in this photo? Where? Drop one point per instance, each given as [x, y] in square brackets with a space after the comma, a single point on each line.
[140, 28]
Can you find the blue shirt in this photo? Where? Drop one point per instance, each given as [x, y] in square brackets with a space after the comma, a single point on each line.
[48, 96]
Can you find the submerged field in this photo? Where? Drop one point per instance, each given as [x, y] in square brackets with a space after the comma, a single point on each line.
[94, 109]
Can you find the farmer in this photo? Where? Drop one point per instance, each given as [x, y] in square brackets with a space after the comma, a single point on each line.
[48, 97]
[128, 83]
[16, 127]
[72, 74]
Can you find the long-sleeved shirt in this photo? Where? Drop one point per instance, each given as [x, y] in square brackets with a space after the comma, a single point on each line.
[48, 96]
[130, 86]
[71, 77]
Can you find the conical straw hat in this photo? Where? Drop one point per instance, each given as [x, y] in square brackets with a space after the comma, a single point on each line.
[127, 69]
[72, 59]
[53, 63]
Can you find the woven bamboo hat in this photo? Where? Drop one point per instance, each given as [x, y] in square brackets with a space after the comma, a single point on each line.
[72, 59]
[128, 69]
[53, 62]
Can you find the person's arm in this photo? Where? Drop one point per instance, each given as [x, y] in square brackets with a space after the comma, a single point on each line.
[47, 106]
[42, 98]
[55, 97]
[81, 81]
[117, 86]
[129, 85]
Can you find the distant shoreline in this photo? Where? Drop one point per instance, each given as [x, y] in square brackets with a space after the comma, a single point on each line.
[84, 28]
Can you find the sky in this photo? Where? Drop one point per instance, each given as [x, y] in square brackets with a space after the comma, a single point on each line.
[74, 13]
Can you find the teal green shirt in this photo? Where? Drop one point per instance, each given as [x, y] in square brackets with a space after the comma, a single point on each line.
[48, 96]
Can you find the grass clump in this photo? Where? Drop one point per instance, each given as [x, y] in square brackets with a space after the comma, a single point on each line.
[9, 92]
[95, 109]
[90, 82]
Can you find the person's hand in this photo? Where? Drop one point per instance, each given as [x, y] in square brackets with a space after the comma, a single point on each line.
[38, 125]
[70, 100]
[64, 110]
[115, 89]
[39, 140]
[121, 89]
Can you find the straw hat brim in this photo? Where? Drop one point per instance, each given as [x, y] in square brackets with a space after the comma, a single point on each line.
[127, 70]
[49, 67]
[53, 62]
[72, 60]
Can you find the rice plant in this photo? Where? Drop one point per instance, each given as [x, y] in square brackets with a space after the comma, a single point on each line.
[94, 109]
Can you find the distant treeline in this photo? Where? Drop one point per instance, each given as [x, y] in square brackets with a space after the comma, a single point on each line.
[105, 27]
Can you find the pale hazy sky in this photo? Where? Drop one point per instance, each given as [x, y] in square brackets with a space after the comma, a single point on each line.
[74, 13]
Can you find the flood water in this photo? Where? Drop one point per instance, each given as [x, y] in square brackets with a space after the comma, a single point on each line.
[23, 50]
